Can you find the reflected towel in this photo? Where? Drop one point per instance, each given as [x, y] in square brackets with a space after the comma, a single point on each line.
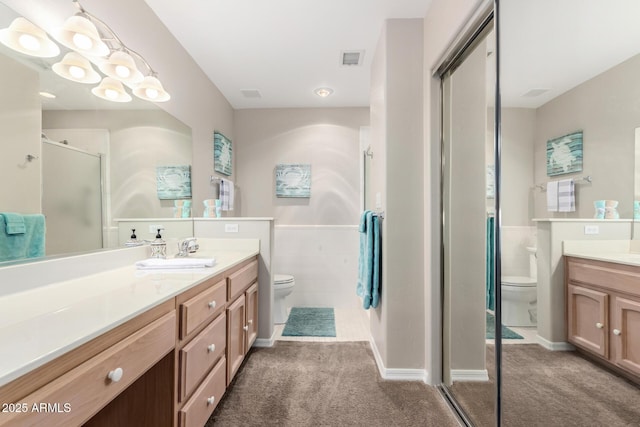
[174, 263]
[566, 196]
[14, 223]
[369, 260]
[552, 196]
[227, 194]
[30, 244]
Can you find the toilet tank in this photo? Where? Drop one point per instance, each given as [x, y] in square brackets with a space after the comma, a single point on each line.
[533, 262]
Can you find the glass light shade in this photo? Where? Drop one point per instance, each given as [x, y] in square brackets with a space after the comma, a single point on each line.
[111, 90]
[121, 66]
[77, 68]
[150, 89]
[25, 37]
[323, 92]
[81, 35]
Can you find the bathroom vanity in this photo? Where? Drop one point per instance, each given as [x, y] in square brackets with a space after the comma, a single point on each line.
[137, 348]
[603, 309]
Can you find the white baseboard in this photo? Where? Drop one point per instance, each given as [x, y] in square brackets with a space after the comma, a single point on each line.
[479, 375]
[554, 346]
[395, 373]
[265, 342]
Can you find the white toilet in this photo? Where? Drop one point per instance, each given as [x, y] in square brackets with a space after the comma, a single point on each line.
[520, 295]
[282, 286]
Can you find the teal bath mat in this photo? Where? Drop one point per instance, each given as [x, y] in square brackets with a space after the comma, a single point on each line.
[506, 332]
[310, 322]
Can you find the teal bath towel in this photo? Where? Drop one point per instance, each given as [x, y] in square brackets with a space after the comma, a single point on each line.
[369, 260]
[490, 277]
[29, 244]
[14, 223]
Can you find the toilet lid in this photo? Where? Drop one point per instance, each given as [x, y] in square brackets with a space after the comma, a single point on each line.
[280, 279]
[520, 281]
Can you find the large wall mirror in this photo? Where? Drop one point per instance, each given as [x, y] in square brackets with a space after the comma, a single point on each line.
[80, 160]
[566, 66]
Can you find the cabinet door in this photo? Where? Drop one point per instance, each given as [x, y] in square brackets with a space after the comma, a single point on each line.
[626, 333]
[251, 296]
[236, 316]
[587, 319]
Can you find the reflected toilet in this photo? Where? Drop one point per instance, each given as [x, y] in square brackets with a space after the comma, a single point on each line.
[520, 295]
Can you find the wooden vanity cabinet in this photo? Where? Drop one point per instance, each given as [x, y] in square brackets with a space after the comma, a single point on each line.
[603, 312]
[242, 316]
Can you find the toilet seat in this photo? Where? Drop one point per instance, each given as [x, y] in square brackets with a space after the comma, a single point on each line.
[519, 281]
[282, 279]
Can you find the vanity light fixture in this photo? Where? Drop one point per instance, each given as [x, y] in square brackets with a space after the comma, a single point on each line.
[323, 92]
[111, 90]
[122, 66]
[80, 34]
[150, 89]
[25, 37]
[77, 68]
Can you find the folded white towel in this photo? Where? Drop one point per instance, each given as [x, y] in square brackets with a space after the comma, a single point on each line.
[227, 193]
[174, 263]
[552, 196]
[566, 196]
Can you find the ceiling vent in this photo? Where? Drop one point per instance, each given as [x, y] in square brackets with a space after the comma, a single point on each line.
[534, 92]
[251, 93]
[350, 58]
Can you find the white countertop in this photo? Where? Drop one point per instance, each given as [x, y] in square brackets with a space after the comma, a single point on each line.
[619, 251]
[42, 323]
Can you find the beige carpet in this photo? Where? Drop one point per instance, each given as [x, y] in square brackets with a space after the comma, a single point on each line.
[547, 388]
[325, 384]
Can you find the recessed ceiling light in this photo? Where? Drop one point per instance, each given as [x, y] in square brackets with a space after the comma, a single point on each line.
[532, 93]
[47, 95]
[323, 92]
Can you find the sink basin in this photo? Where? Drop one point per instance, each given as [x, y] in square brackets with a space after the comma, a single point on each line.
[174, 263]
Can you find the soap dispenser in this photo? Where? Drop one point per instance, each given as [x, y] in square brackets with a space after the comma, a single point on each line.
[158, 247]
[133, 240]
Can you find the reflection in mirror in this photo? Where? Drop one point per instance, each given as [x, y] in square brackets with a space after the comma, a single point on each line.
[468, 338]
[113, 150]
[567, 66]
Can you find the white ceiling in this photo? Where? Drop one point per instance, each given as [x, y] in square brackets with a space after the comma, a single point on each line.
[284, 48]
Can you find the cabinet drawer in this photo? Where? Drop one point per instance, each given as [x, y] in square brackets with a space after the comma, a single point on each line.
[241, 279]
[204, 306]
[83, 391]
[197, 357]
[200, 407]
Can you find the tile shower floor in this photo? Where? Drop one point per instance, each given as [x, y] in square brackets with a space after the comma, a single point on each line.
[351, 325]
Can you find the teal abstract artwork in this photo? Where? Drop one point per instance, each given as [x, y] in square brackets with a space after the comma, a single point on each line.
[174, 182]
[564, 154]
[222, 154]
[293, 180]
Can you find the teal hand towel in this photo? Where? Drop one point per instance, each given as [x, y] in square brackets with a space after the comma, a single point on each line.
[369, 260]
[30, 244]
[14, 223]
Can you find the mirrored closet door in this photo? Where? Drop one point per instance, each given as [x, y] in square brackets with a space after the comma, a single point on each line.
[468, 210]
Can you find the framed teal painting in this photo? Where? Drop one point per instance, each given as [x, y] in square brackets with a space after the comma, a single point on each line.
[293, 180]
[222, 154]
[174, 182]
[564, 154]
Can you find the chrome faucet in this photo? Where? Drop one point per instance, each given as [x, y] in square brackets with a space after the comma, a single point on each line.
[187, 246]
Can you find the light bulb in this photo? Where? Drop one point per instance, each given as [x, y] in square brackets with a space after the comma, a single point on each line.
[151, 93]
[77, 72]
[111, 94]
[82, 41]
[122, 71]
[29, 42]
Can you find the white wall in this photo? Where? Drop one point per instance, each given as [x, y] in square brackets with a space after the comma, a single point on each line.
[315, 238]
[605, 108]
[397, 325]
[20, 124]
[326, 138]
